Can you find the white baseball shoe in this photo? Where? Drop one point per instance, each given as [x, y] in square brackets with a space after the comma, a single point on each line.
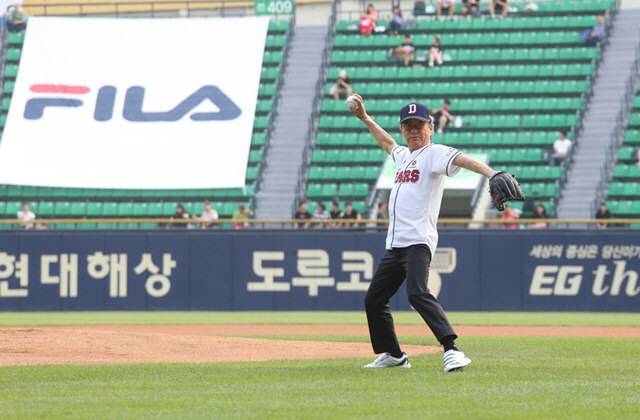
[454, 360]
[386, 360]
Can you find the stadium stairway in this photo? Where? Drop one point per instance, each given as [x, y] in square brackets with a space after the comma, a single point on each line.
[596, 138]
[284, 157]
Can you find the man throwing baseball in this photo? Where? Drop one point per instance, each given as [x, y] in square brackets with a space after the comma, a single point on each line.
[412, 237]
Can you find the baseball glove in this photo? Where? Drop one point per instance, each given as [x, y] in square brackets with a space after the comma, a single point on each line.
[503, 187]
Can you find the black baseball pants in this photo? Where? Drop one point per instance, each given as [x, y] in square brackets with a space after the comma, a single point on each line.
[397, 264]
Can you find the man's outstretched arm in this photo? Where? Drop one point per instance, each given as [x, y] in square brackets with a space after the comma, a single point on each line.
[476, 166]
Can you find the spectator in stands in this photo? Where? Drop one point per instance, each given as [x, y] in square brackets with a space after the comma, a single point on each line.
[350, 213]
[596, 34]
[470, 8]
[15, 19]
[26, 217]
[435, 52]
[240, 215]
[181, 213]
[405, 50]
[208, 214]
[603, 213]
[509, 214]
[539, 213]
[321, 213]
[561, 148]
[372, 13]
[447, 6]
[381, 214]
[528, 207]
[302, 214]
[498, 6]
[419, 7]
[636, 153]
[335, 212]
[342, 86]
[397, 21]
[442, 116]
[368, 20]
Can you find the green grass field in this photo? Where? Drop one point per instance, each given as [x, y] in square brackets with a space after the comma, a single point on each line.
[511, 377]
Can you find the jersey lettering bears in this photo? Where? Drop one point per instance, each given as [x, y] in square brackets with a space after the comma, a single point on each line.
[407, 176]
[414, 202]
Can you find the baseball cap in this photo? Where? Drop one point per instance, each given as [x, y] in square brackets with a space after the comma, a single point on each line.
[415, 110]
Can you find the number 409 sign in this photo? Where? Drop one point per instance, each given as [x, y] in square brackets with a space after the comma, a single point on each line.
[274, 7]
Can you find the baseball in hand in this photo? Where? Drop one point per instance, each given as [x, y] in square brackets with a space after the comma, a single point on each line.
[351, 102]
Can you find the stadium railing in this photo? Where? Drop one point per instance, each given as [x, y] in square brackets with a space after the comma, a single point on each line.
[315, 224]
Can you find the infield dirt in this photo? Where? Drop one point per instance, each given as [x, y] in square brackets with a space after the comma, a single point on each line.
[224, 343]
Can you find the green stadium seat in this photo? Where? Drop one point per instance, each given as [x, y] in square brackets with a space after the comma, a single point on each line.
[110, 209]
[329, 190]
[94, 209]
[155, 209]
[13, 54]
[62, 208]
[314, 190]
[278, 26]
[258, 139]
[345, 189]
[125, 209]
[13, 207]
[261, 123]
[45, 208]
[266, 89]
[16, 38]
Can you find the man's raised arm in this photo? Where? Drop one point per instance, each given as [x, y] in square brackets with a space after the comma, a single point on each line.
[384, 139]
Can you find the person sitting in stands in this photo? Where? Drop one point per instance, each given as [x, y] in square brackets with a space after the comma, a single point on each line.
[447, 6]
[498, 6]
[342, 86]
[321, 213]
[15, 19]
[539, 213]
[208, 214]
[397, 21]
[435, 52]
[26, 217]
[596, 34]
[509, 214]
[443, 116]
[405, 51]
[181, 213]
[368, 20]
[603, 213]
[351, 214]
[240, 216]
[302, 214]
[470, 8]
[561, 149]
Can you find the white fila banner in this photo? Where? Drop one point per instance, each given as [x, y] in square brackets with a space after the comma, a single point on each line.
[134, 103]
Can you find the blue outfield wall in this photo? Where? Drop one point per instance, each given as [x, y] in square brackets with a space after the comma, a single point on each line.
[312, 270]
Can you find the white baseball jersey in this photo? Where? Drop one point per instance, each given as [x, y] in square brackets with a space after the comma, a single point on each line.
[414, 202]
